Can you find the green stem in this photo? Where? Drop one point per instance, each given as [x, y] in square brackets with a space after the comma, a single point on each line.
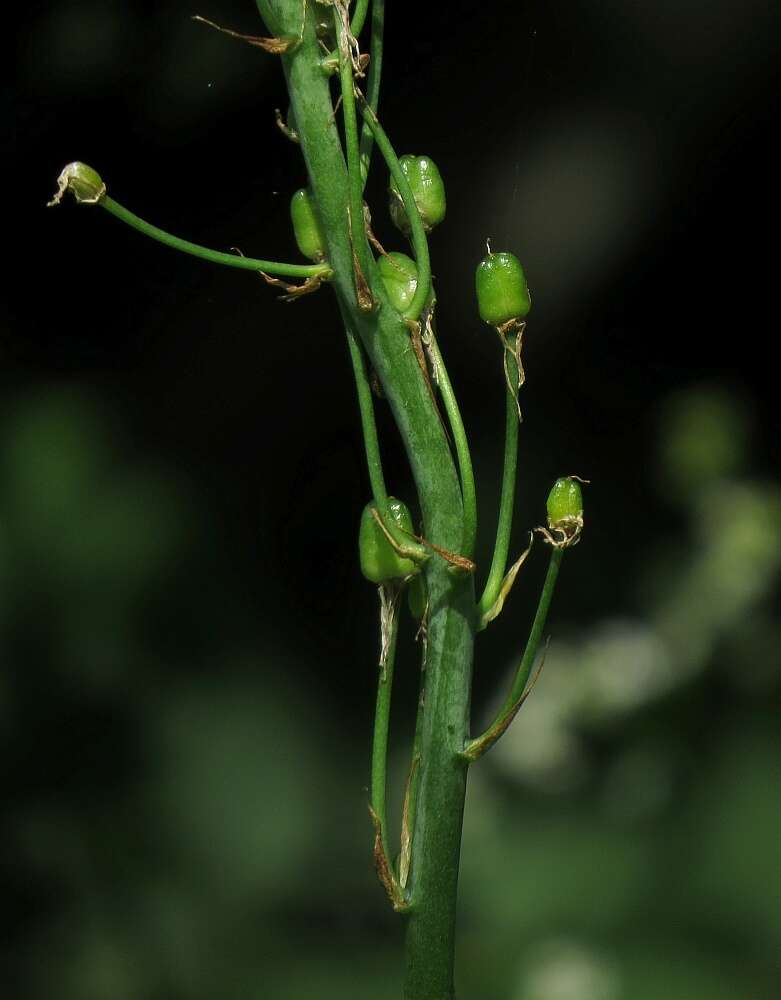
[439, 802]
[538, 626]
[477, 747]
[504, 527]
[331, 61]
[436, 842]
[462, 450]
[359, 16]
[370, 440]
[368, 424]
[414, 771]
[214, 256]
[355, 182]
[379, 761]
[418, 233]
[373, 83]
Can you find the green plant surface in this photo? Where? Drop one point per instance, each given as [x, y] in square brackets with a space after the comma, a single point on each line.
[392, 337]
[197, 704]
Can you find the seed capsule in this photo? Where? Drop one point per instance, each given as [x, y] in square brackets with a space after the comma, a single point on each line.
[380, 562]
[400, 276]
[428, 190]
[85, 184]
[502, 292]
[306, 225]
[565, 503]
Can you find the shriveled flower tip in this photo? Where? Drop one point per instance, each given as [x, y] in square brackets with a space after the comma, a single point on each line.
[85, 184]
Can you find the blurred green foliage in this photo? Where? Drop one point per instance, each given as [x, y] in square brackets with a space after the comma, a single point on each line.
[192, 825]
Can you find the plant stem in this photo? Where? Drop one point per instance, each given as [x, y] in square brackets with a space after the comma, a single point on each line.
[214, 256]
[389, 601]
[439, 805]
[354, 179]
[477, 747]
[413, 780]
[417, 232]
[462, 450]
[436, 842]
[359, 16]
[504, 526]
[368, 424]
[538, 625]
[373, 83]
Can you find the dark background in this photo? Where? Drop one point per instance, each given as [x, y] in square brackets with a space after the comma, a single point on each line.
[187, 644]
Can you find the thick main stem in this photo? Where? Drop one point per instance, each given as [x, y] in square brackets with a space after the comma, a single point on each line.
[430, 941]
[436, 843]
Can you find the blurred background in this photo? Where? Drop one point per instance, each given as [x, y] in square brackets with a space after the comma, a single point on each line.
[188, 648]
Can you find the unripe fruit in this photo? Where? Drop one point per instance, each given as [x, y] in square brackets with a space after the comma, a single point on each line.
[502, 292]
[380, 562]
[306, 225]
[400, 276]
[428, 190]
[565, 503]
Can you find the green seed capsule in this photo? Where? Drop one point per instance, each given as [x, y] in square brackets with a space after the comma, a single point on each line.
[428, 190]
[85, 184]
[400, 276]
[380, 563]
[502, 292]
[565, 503]
[306, 225]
